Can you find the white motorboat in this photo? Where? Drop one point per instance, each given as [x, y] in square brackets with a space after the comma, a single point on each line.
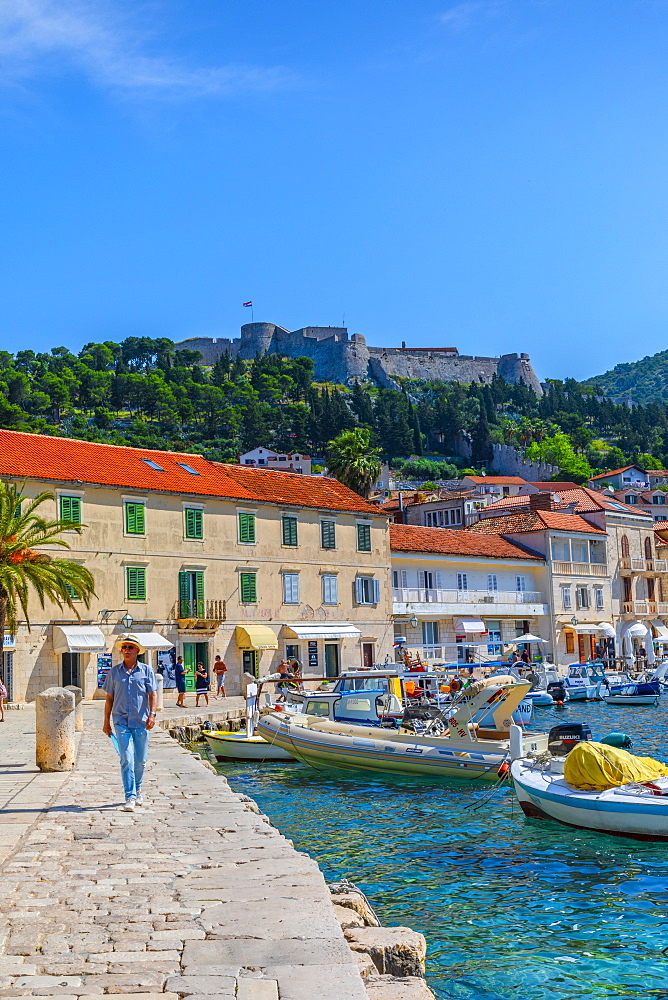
[583, 682]
[247, 745]
[629, 695]
[639, 811]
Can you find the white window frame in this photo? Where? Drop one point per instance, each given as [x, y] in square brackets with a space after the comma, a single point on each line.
[520, 583]
[462, 581]
[330, 581]
[581, 592]
[290, 588]
[566, 602]
[598, 598]
[367, 590]
[492, 583]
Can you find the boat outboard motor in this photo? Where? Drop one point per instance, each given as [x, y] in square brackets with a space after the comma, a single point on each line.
[558, 692]
[562, 739]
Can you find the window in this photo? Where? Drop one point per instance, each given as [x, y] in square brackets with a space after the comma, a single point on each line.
[70, 509]
[566, 596]
[328, 534]
[660, 517]
[570, 641]
[493, 636]
[188, 468]
[631, 499]
[598, 597]
[136, 583]
[248, 587]
[659, 498]
[191, 594]
[648, 548]
[289, 530]
[462, 581]
[520, 584]
[291, 651]
[561, 549]
[330, 588]
[580, 550]
[582, 598]
[134, 519]
[625, 547]
[430, 633]
[246, 528]
[72, 592]
[492, 582]
[153, 465]
[395, 578]
[194, 522]
[291, 588]
[364, 538]
[367, 590]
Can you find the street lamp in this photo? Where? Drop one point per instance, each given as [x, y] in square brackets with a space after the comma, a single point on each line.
[127, 620]
[574, 621]
[414, 622]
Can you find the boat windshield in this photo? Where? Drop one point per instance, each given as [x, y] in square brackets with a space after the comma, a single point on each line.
[370, 683]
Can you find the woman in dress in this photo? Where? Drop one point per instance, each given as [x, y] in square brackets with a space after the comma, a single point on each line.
[202, 684]
[3, 695]
[180, 675]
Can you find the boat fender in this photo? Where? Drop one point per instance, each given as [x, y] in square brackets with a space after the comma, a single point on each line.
[503, 769]
[622, 740]
[455, 685]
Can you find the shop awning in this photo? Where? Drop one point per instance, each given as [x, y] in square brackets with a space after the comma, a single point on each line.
[324, 630]
[583, 629]
[78, 639]
[606, 629]
[153, 640]
[661, 630]
[256, 637]
[464, 626]
[636, 630]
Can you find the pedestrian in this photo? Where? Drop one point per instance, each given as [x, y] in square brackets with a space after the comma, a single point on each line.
[3, 695]
[180, 676]
[202, 684]
[220, 669]
[283, 684]
[131, 703]
[525, 656]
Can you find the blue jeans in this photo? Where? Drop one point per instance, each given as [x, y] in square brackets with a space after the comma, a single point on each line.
[133, 746]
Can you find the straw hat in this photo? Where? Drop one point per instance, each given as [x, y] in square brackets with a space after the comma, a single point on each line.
[130, 637]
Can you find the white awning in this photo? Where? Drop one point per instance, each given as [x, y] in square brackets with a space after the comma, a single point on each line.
[606, 630]
[153, 640]
[660, 629]
[324, 630]
[78, 639]
[636, 630]
[583, 629]
[465, 625]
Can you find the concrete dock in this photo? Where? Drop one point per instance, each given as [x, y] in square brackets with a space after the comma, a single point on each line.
[192, 895]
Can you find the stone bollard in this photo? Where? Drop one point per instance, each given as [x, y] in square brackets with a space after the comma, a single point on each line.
[54, 725]
[160, 692]
[78, 710]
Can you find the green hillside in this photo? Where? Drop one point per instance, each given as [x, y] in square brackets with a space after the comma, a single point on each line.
[643, 380]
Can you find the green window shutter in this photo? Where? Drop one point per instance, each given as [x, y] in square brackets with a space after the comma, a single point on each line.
[136, 578]
[364, 537]
[194, 523]
[70, 509]
[289, 530]
[134, 518]
[246, 527]
[71, 592]
[184, 594]
[328, 534]
[199, 594]
[248, 588]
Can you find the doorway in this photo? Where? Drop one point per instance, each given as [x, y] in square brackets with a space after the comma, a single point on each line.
[7, 674]
[70, 669]
[367, 655]
[249, 662]
[194, 653]
[331, 659]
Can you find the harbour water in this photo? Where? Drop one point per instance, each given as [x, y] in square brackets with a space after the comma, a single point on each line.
[511, 908]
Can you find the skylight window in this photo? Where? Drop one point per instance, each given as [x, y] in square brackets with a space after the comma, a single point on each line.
[188, 468]
[153, 465]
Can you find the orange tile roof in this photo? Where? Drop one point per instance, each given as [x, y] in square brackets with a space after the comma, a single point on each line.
[580, 498]
[535, 520]
[411, 538]
[615, 472]
[657, 472]
[497, 480]
[66, 460]
[554, 487]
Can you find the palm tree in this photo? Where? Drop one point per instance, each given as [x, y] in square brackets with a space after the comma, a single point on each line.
[24, 569]
[353, 461]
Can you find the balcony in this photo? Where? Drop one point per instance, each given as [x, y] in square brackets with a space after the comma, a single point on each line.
[625, 565]
[204, 616]
[417, 595]
[638, 565]
[661, 565]
[579, 568]
[643, 607]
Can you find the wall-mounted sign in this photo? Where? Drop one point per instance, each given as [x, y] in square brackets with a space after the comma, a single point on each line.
[103, 668]
[8, 641]
[313, 653]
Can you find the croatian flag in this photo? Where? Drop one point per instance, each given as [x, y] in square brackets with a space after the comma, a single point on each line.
[248, 305]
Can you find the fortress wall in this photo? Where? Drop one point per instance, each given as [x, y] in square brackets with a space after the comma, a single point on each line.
[438, 367]
[211, 349]
[508, 461]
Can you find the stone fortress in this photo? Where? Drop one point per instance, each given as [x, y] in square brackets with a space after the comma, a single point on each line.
[344, 359]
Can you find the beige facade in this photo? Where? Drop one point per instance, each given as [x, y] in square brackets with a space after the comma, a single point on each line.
[189, 589]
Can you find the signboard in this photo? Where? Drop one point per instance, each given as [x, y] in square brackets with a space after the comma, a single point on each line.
[313, 653]
[8, 641]
[167, 667]
[103, 668]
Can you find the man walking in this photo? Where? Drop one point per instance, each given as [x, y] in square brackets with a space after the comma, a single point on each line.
[131, 703]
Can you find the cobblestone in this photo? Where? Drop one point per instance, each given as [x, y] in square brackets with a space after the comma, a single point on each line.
[193, 895]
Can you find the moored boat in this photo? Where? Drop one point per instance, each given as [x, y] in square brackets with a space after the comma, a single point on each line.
[451, 746]
[241, 746]
[631, 696]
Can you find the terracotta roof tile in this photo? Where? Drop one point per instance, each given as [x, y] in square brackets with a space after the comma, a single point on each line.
[411, 538]
[554, 487]
[580, 498]
[65, 460]
[497, 480]
[615, 472]
[536, 520]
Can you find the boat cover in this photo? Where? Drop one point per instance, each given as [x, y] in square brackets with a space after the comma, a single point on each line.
[593, 767]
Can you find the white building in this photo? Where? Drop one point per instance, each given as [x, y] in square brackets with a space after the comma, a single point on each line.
[265, 458]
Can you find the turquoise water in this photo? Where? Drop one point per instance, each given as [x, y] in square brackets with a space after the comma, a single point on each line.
[510, 907]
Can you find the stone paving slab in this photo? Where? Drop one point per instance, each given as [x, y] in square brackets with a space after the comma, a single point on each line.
[193, 895]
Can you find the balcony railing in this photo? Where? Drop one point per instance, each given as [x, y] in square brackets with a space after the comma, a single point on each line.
[637, 565]
[580, 568]
[644, 607]
[661, 565]
[418, 595]
[625, 563]
[199, 614]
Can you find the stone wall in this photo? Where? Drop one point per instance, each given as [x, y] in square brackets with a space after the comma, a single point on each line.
[508, 461]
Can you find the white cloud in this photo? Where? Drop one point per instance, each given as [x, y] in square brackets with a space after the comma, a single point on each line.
[462, 15]
[95, 37]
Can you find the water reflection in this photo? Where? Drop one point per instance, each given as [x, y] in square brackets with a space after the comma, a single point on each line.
[511, 908]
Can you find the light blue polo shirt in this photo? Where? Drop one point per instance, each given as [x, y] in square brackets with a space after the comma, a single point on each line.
[130, 691]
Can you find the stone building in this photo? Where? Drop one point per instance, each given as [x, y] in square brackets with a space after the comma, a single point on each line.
[201, 558]
[342, 358]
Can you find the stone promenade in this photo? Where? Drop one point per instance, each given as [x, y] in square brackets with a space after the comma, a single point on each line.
[193, 895]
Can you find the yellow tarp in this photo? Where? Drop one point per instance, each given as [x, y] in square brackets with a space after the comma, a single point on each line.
[593, 767]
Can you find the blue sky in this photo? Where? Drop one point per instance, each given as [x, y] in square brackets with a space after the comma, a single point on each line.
[486, 174]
